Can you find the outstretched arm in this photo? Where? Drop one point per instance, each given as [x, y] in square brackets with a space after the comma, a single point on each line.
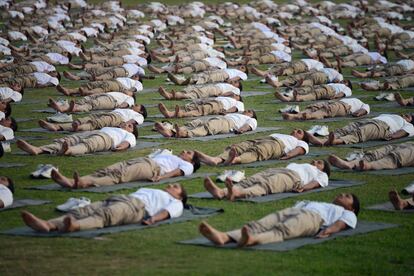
[295, 152]
[243, 129]
[307, 187]
[162, 215]
[338, 226]
[123, 146]
[359, 113]
[174, 173]
[396, 135]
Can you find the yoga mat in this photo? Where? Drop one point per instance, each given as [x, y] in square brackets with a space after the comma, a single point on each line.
[333, 184]
[214, 137]
[391, 105]
[17, 203]
[23, 120]
[27, 138]
[334, 119]
[398, 171]
[313, 153]
[254, 93]
[11, 165]
[192, 213]
[116, 187]
[52, 111]
[375, 143]
[28, 102]
[387, 206]
[363, 227]
[277, 101]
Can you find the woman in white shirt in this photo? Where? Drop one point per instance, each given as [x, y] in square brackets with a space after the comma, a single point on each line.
[305, 219]
[293, 178]
[146, 206]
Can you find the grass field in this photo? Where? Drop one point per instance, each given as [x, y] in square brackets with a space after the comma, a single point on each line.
[155, 251]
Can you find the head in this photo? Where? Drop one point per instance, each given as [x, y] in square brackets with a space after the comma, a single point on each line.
[1, 150]
[136, 77]
[6, 108]
[16, 87]
[322, 165]
[9, 122]
[243, 68]
[128, 126]
[240, 99]
[251, 113]
[177, 191]
[8, 182]
[191, 157]
[408, 118]
[347, 83]
[298, 134]
[349, 201]
[140, 109]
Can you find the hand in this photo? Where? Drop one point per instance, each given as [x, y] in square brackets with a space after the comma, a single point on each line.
[388, 138]
[284, 157]
[236, 131]
[148, 221]
[323, 234]
[156, 178]
[355, 114]
[298, 190]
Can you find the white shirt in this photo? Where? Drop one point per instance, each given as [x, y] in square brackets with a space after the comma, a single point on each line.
[312, 64]
[4, 41]
[408, 64]
[169, 163]
[133, 69]
[226, 87]
[356, 104]
[375, 56]
[135, 51]
[216, 62]
[45, 79]
[15, 35]
[6, 196]
[5, 50]
[230, 102]
[290, 142]
[357, 48]
[6, 132]
[157, 200]
[232, 73]
[121, 98]
[58, 58]
[90, 31]
[330, 213]
[130, 83]
[309, 173]
[6, 93]
[119, 135]
[241, 120]
[332, 74]
[282, 55]
[281, 47]
[341, 88]
[135, 59]
[43, 67]
[396, 123]
[129, 114]
[2, 115]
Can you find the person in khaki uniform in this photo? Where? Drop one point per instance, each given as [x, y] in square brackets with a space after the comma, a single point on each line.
[204, 91]
[108, 138]
[295, 177]
[395, 83]
[402, 67]
[117, 210]
[283, 69]
[384, 158]
[328, 91]
[353, 60]
[403, 102]
[305, 219]
[155, 168]
[210, 77]
[399, 203]
[383, 127]
[100, 74]
[194, 66]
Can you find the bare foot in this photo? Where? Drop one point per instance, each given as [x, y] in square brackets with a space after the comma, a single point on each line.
[163, 109]
[180, 132]
[65, 149]
[162, 130]
[62, 180]
[232, 193]
[232, 155]
[358, 74]
[70, 76]
[178, 112]
[48, 126]
[364, 165]
[282, 97]
[53, 104]
[23, 145]
[257, 72]
[399, 99]
[247, 238]
[70, 224]
[396, 200]
[212, 188]
[369, 86]
[35, 223]
[212, 234]
[339, 163]
[330, 140]
[62, 90]
[163, 92]
[289, 117]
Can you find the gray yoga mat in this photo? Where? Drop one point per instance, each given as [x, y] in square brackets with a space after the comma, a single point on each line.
[17, 203]
[375, 143]
[363, 227]
[254, 93]
[313, 153]
[52, 111]
[214, 137]
[333, 184]
[192, 213]
[27, 138]
[387, 206]
[24, 102]
[140, 145]
[334, 119]
[277, 101]
[390, 105]
[23, 120]
[117, 187]
[398, 171]
[11, 165]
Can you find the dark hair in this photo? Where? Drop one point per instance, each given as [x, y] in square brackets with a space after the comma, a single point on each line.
[254, 114]
[1, 150]
[133, 96]
[22, 91]
[13, 124]
[11, 184]
[59, 76]
[143, 111]
[240, 99]
[8, 110]
[149, 59]
[349, 84]
[135, 131]
[355, 204]
[240, 86]
[184, 196]
[196, 162]
[326, 167]
[305, 136]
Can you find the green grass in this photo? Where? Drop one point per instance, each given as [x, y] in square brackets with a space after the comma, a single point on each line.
[155, 251]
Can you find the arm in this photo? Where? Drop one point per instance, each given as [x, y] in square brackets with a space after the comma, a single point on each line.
[334, 228]
[339, 95]
[123, 146]
[174, 173]
[233, 79]
[230, 110]
[359, 113]
[310, 186]
[243, 129]
[295, 152]
[123, 105]
[162, 215]
[399, 134]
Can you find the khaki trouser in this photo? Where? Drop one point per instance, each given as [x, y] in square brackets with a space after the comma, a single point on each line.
[394, 69]
[309, 79]
[364, 130]
[283, 225]
[95, 121]
[210, 76]
[199, 92]
[401, 82]
[336, 51]
[209, 107]
[96, 102]
[264, 59]
[23, 81]
[23, 69]
[357, 60]
[392, 156]
[104, 86]
[209, 126]
[113, 73]
[81, 143]
[256, 150]
[115, 210]
[319, 92]
[126, 171]
[296, 67]
[330, 109]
